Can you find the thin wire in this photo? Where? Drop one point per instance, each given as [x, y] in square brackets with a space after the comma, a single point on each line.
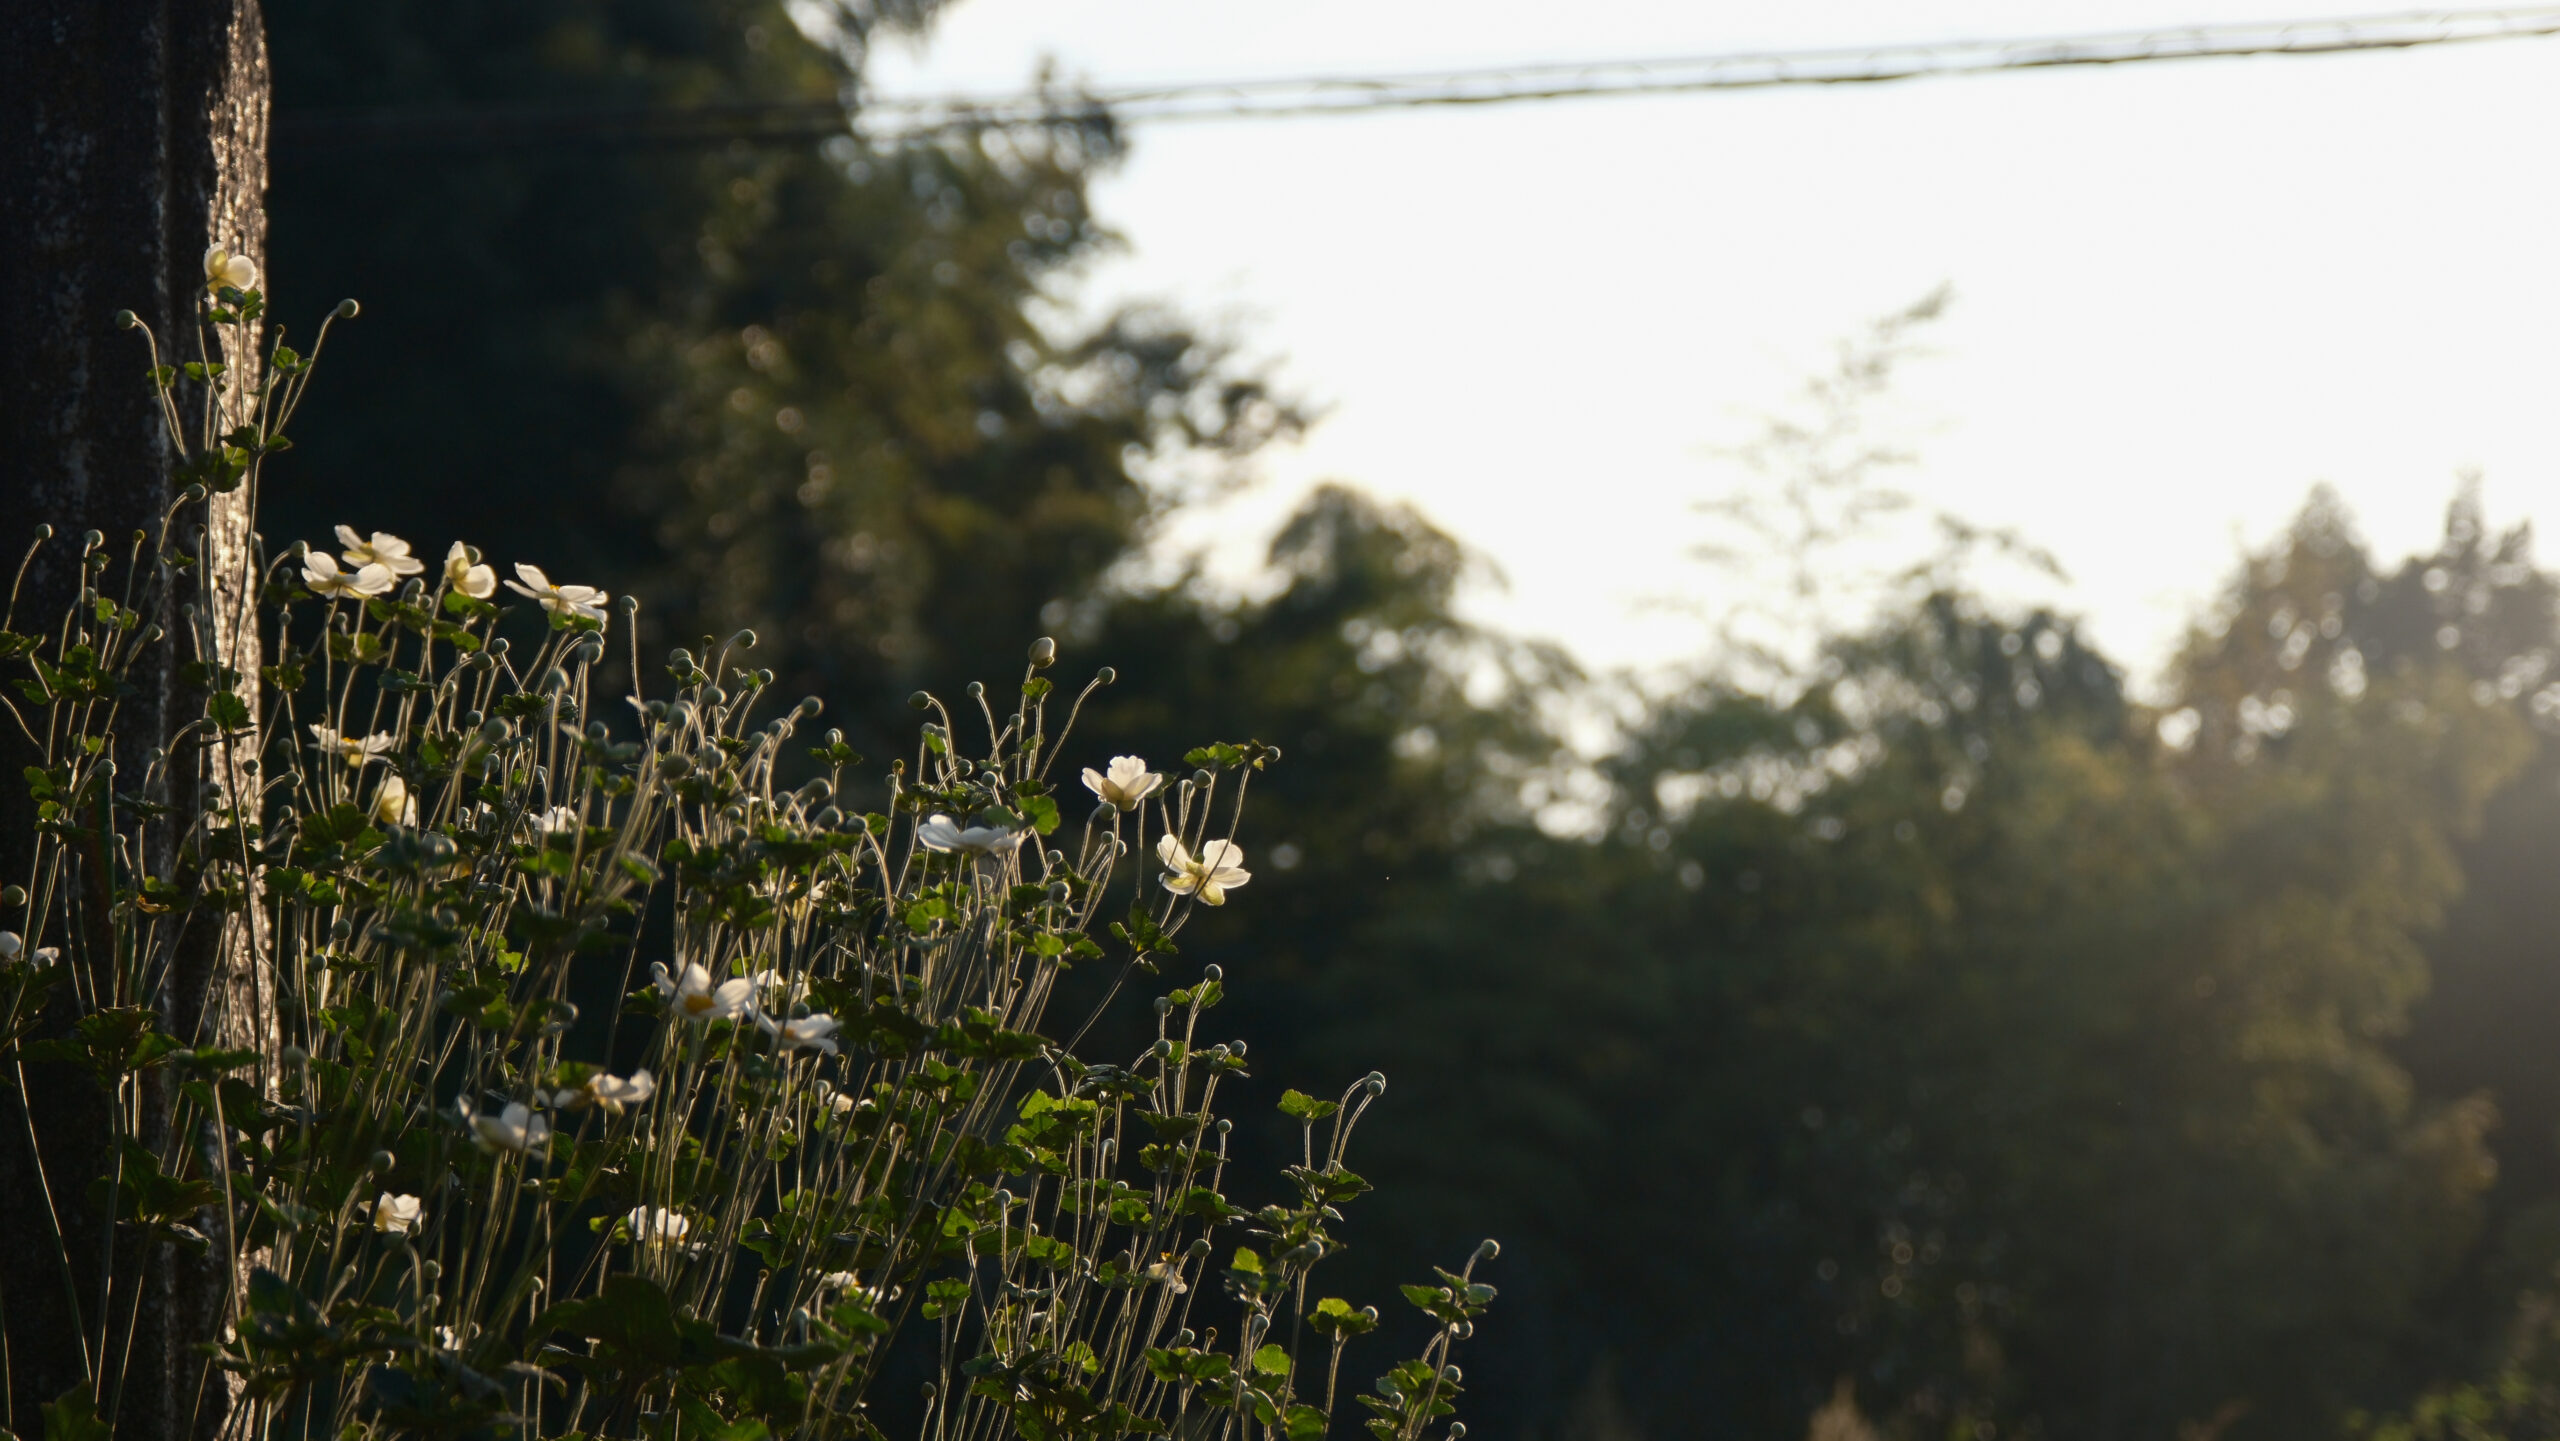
[890, 120]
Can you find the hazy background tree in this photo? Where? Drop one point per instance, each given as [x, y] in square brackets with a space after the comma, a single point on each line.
[1914, 1011]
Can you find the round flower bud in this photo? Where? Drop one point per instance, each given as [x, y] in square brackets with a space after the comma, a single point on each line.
[1105, 676]
[347, 310]
[1044, 653]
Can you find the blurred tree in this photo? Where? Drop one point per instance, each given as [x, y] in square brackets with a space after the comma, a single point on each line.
[1920, 1017]
[799, 387]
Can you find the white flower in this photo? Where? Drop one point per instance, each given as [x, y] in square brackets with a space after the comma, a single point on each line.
[583, 600]
[476, 581]
[608, 1093]
[657, 1226]
[320, 572]
[941, 833]
[554, 820]
[516, 1128]
[841, 1103]
[694, 998]
[816, 1031]
[1126, 783]
[851, 1285]
[388, 551]
[10, 945]
[448, 1339]
[395, 1215]
[222, 268]
[47, 955]
[1168, 1273]
[1217, 870]
[392, 803]
[354, 750]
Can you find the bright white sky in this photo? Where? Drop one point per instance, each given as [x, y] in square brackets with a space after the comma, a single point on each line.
[2185, 292]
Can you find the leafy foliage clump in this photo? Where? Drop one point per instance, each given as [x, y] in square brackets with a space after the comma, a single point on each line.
[569, 1068]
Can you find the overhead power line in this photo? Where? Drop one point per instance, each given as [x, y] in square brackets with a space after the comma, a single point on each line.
[895, 119]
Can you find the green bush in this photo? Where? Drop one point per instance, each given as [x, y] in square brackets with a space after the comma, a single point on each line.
[820, 1105]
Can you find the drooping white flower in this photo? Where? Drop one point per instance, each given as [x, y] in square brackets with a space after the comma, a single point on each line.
[609, 1094]
[1127, 782]
[395, 1215]
[941, 833]
[468, 576]
[815, 1031]
[392, 803]
[354, 750]
[320, 572]
[384, 549]
[656, 1226]
[1168, 1273]
[47, 955]
[582, 600]
[1218, 869]
[222, 268]
[515, 1128]
[852, 1286]
[554, 820]
[693, 997]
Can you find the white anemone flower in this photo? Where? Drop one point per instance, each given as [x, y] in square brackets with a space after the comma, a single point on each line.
[47, 955]
[554, 820]
[320, 572]
[515, 1128]
[395, 1215]
[694, 997]
[1168, 1273]
[656, 1226]
[222, 268]
[1218, 869]
[464, 573]
[815, 1031]
[609, 1094]
[1124, 784]
[851, 1285]
[584, 600]
[354, 750]
[941, 833]
[384, 549]
[393, 805]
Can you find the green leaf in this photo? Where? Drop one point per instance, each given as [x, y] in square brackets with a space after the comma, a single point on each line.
[1272, 1360]
[630, 1318]
[1306, 1107]
[74, 1417]
[1041, 812]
